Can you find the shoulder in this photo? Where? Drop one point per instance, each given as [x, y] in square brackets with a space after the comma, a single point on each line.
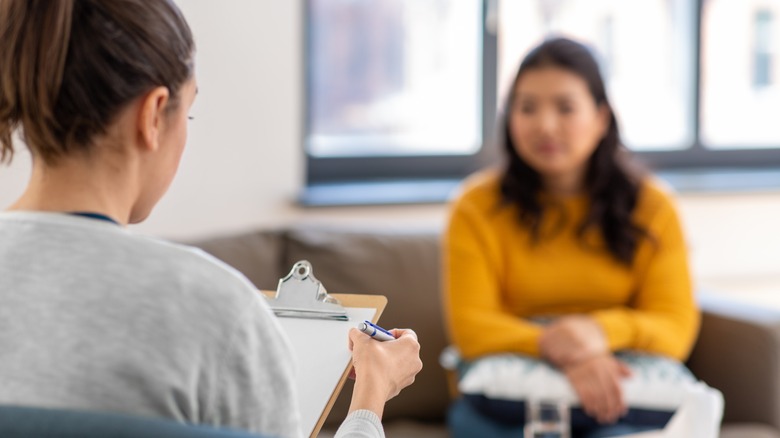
[217, 294]
[201, 266]
[186, 255]
[478, 208]
[479, 190]
[656, 202]
[188, 273]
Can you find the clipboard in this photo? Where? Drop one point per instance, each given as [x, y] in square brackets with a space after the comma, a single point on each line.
[323, 359]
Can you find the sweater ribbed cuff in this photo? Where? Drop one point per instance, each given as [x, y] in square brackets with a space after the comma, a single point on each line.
[361, 423]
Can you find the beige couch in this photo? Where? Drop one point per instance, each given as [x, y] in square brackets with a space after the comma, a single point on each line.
[738, 351]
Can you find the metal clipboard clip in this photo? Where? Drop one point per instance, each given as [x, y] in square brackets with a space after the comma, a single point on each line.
[300, 295]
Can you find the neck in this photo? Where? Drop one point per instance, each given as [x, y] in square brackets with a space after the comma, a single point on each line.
[566, 185]
[79, 185]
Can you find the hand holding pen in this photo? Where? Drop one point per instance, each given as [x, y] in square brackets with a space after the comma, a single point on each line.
[382, 369]
[375, 332]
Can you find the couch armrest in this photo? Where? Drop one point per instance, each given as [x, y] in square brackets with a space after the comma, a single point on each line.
[738, 352]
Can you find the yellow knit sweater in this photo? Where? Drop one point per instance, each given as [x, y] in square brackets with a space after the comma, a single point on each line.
[495, 277]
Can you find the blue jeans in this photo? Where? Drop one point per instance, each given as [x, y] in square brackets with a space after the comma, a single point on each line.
[465, 422]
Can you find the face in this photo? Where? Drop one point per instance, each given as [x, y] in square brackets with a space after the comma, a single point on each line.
[172, 138]
[555, 123]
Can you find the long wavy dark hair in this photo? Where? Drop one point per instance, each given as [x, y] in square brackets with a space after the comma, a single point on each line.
[611, 181]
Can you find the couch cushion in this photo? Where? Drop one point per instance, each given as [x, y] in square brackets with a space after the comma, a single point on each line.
[258, 255]
[403, 266]
[748, 430]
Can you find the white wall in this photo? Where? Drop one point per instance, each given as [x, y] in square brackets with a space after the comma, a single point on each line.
[735, 242]
[244, 167]
[243, 164]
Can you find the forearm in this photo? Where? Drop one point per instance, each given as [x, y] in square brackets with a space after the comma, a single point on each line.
[662, 316]
[367, 395]
[474, 293]
[664, 333]
[478, 333]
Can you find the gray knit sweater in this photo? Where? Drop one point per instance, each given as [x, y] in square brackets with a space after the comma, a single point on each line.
[95, 317]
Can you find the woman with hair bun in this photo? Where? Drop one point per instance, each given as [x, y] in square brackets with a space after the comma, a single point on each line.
[95, 317]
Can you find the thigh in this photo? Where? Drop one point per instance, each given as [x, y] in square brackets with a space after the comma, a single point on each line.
[617, 430]
[464, 421]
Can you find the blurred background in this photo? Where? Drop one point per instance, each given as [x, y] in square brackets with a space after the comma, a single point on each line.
[370, 112]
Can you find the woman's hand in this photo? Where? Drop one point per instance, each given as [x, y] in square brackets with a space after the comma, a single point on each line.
[596, 381]
[572, 339]
[382, 369]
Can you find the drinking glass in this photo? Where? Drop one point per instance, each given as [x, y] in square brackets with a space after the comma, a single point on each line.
[547, 419]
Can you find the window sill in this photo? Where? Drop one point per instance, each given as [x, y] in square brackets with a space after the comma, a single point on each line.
[438, 191]
[378, 193]
[722, 179]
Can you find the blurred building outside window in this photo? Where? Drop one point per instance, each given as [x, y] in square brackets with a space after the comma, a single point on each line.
[394, 77]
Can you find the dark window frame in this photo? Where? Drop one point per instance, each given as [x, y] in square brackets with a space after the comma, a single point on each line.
[332, 171]
[379, 168]
[697, 156]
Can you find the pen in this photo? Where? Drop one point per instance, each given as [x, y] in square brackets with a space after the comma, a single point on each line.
[375, 331]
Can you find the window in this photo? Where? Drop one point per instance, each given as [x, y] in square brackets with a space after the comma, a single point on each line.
[395, 88]
[395, 77]
[740, 92]
[412, 89]
[646, 51]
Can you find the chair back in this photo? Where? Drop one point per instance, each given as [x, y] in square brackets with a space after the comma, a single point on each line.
[33, 422]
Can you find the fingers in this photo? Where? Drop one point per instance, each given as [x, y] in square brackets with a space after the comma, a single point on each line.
[586, 393]
[399, 333]
[353, 333]
[625, 371]
[392, 365]
[612, 398]
[407, 351]
[597, 383]
[356, 335]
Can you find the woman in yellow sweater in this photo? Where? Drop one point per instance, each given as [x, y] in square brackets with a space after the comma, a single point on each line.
[568, 255]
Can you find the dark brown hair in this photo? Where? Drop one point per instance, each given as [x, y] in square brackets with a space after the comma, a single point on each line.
[67, 67]
[611, 180]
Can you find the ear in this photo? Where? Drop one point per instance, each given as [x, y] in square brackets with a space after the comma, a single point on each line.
[151, 117]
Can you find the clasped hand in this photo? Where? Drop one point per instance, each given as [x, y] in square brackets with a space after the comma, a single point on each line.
[577, 345]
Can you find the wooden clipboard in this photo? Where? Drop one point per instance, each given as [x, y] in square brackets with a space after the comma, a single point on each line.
[350, 301]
